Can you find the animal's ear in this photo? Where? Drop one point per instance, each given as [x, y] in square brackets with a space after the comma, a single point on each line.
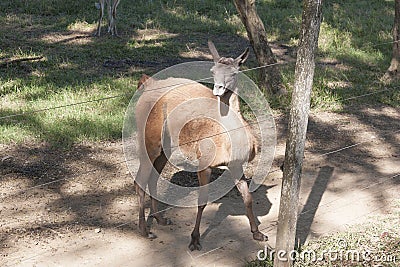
[145, 78]
[243, 57]
[213, 51]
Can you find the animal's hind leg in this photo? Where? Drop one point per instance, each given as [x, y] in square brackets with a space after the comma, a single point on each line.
[109, 12]
[159, 165]
[141, 181]
[243, 188]
[112, 27]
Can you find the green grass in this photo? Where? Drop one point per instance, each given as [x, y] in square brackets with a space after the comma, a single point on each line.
[158, 34]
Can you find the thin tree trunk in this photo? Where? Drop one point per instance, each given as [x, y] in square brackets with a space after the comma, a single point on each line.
[394, 72]
[298, 120]
[270, 77]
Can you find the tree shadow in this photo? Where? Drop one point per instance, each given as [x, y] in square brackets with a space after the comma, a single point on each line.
[309, 210]
[232, 205]
[51, 192]
[361, 145]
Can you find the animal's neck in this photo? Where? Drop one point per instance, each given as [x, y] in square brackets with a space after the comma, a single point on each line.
[234, 103]
[230, 104]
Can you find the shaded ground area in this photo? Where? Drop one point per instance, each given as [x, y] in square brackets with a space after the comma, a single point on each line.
[78, 207]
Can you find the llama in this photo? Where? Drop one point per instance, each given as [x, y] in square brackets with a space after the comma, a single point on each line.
[205, 125]
[112, 14]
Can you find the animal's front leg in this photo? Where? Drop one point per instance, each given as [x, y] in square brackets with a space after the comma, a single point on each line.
[100, 6]
[109, 12]
[204, 178]
[195, 236]
[243, 188]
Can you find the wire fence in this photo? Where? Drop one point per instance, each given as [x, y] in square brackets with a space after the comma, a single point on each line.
[123, 95]
[245, 233]
[61, 106]
[170, 86]
[74, 176]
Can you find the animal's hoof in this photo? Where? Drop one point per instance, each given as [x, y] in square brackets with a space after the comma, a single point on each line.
[164, 221]
[194, 245]
[151, 235]
[259, 236]
[146, 233]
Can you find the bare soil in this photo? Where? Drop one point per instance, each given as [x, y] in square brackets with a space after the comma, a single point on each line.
[78, 207]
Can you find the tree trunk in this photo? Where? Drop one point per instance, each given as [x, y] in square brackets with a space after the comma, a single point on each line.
[270, 77]
[298, 120]
[394, 72]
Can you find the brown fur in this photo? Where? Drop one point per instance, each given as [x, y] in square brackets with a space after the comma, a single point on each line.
[193, 131]
[208, 133]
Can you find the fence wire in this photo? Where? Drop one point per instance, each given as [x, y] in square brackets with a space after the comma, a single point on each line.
[161, 88]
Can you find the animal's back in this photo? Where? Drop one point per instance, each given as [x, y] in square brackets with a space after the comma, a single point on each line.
[160, 97]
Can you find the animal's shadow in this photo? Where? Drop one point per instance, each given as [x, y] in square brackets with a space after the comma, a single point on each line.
[231, 204]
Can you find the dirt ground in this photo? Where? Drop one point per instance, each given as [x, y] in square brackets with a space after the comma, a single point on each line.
[78, 207]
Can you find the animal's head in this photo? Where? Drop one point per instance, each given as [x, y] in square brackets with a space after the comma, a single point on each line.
[225, 70]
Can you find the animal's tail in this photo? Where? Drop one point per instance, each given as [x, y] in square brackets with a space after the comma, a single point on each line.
[166, 135]
[143, 80]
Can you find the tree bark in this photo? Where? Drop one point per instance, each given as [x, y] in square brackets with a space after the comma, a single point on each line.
[270, 77]
[394, 72]
[298, 120]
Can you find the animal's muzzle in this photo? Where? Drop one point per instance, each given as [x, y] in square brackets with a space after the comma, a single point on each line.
[219, 89]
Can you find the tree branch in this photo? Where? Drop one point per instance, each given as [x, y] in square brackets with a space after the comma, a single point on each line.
[8, 62]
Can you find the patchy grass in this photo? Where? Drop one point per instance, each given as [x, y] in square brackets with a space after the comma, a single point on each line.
[371, 244]
[158, 34]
